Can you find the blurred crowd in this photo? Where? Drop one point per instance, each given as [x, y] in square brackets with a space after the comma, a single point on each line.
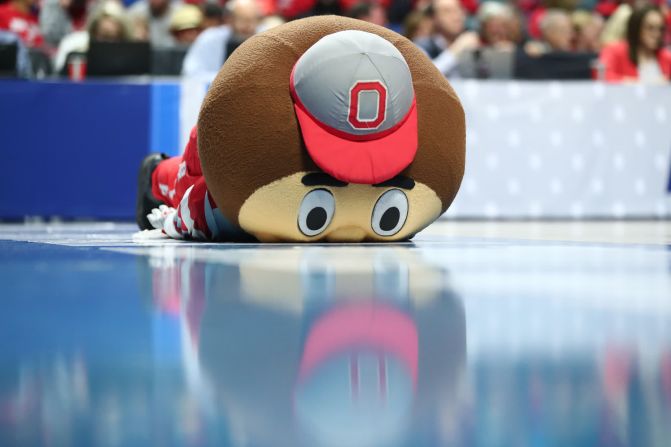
[629, 39]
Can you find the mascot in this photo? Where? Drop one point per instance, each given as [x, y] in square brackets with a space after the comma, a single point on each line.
[322, 129]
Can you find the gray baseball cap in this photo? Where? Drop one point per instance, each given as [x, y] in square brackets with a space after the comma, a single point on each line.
[355, 104]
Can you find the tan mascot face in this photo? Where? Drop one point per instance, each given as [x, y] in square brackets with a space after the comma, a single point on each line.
[331, 129]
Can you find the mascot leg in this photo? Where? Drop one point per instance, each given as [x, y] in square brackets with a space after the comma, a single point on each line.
[174, 176]
[164, 181]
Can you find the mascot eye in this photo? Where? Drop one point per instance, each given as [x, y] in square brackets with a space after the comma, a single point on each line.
[390, 213]
[316, 212]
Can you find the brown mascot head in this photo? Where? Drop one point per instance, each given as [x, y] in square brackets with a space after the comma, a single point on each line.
[331, 129]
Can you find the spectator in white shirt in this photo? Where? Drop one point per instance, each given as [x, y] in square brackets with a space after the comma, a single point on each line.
[450, 38]
[211, 49]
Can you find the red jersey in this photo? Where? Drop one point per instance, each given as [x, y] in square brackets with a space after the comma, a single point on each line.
[24, 25]
[618, 66]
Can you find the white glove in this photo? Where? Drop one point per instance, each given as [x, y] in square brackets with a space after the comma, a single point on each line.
[159, 215]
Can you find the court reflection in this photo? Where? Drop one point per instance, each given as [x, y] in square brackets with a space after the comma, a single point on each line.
[367, 346]
[354, 347]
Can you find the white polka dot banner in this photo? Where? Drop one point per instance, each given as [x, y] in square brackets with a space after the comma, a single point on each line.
[564, 150]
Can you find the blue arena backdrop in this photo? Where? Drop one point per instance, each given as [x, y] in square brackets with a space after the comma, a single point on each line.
[72, 150]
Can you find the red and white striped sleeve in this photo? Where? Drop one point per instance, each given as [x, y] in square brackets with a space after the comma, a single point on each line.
[196, 217]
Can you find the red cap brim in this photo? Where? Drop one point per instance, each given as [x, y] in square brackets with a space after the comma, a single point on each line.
[367, 161]
[355, 325]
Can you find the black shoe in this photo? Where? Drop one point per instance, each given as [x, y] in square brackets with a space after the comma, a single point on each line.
[146, 201]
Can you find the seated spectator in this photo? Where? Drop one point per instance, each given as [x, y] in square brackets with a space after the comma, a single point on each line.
[371, 12]
[59, 18]
[496, 22]
[107, 24]
[642, 57]
[186, 24]
[213, 15]
[211, 49]
[588, 27]
[556, 34]
[16, 16]
[139, 28]
[418, 25]
[157, 13]
[450, 38]
[108, 28]
[23, 64]
[537, 12]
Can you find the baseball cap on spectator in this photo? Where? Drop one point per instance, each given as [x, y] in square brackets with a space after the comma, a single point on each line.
[355, 104]
[186, 17]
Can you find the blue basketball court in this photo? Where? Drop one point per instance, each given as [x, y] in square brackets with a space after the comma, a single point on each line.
[474, 334]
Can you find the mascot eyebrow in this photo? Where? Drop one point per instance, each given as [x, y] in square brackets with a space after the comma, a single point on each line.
[322, 179]
[399, 181]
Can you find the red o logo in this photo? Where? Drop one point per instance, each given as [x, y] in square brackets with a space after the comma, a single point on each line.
[354, 118]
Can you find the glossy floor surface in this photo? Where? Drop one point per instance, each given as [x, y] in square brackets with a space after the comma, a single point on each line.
[474, 334]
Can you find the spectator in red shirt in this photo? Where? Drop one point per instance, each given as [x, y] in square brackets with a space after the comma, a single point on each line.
[642, 57]
[16, 16]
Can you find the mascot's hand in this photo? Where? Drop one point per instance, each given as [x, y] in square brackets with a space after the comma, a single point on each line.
[159, 215]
